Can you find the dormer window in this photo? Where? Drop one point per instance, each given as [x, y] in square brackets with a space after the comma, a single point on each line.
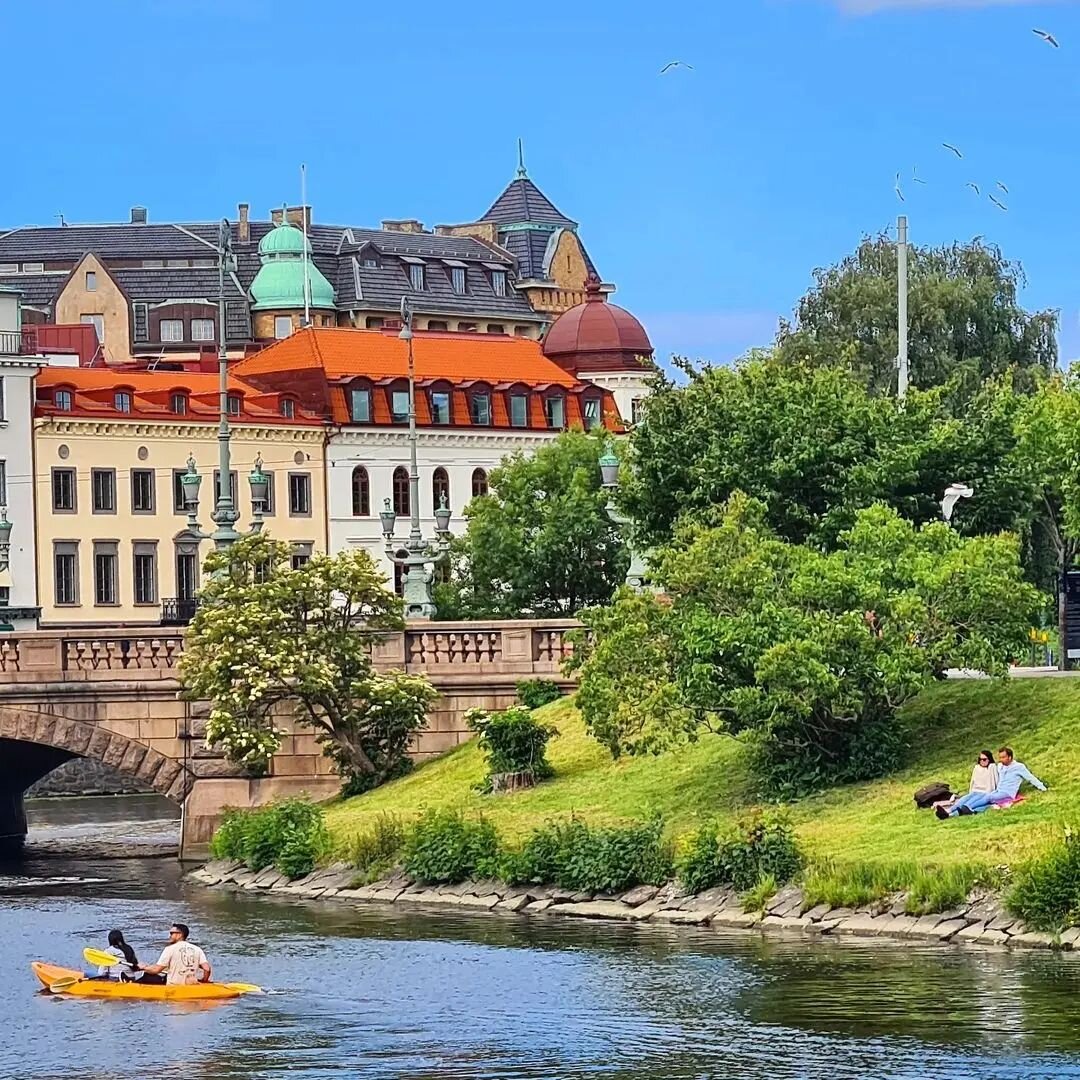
[440, 406]
[64, 400]
[416, 271]
[480, 408]
[498, 282]
[122, 401]
[519, 409]
[360, 405]
[233, 404]
[399, 406]
[457, 278]
[555, 412]
[590, 409]
[371, 262]
[288, 408]
[178, 403]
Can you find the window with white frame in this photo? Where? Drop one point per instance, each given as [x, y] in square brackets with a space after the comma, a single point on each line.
[202, 329]
[172, 329]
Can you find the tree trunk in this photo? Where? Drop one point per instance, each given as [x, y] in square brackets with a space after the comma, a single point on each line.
[512, 781]
[1062, 662]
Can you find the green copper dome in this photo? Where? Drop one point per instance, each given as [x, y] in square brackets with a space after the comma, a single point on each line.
[280, 281]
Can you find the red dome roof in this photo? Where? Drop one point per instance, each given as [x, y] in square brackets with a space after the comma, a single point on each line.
[596, 327]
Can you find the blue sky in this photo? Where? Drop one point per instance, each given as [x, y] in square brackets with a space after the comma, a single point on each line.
[708, 195]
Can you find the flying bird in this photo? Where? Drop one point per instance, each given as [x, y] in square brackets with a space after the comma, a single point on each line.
[675, 64]
[896, 188]
[949, 146]
[915, 175]
[999, 205]
[974, 187]
[1048, 38]
[1003, 187]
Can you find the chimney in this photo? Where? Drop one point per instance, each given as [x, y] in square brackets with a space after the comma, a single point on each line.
[138, 215]
[298, 216]
[406, 225]
[243, 229]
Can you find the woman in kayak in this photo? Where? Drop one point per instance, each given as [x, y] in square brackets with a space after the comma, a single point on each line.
[127, 964]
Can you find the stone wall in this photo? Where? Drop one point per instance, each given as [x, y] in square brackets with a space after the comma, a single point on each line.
[84, 776]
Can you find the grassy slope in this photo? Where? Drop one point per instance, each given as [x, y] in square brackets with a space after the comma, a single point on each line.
[875, 822]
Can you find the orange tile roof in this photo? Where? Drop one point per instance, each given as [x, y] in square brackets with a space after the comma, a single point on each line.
[377, 354]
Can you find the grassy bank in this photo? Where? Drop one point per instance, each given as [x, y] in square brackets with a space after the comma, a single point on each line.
[864, 825]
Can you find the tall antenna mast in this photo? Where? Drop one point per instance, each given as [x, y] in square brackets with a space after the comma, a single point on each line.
[902, 306]
[303, 218]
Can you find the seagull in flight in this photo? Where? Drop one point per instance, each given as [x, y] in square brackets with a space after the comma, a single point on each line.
[915, 175]
[1048, 38]
[896, 188]
[1003, 187]
[949, 146]
[999, 205]
[974, 187]
[675, 64]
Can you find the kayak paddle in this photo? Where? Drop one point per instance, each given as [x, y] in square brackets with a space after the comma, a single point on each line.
[244, 988]
[61, 985]
[100, 959]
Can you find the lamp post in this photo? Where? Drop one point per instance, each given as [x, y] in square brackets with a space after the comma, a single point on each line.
[417, 552]
[225, 513]
[5, 540]
[609, 481]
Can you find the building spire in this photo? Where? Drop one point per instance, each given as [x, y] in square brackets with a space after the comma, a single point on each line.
[521, 160]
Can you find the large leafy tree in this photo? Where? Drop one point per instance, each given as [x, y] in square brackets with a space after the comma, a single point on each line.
[807, 654]
[541, 541]
[965, 320]
[268, 636]
[814, 445]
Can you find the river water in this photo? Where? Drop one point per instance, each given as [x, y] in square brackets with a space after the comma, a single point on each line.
[374, 993]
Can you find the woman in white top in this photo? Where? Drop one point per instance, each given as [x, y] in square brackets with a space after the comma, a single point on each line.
[127, 964]
[984, 777]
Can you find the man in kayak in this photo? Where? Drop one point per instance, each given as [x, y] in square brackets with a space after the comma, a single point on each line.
[183, 963]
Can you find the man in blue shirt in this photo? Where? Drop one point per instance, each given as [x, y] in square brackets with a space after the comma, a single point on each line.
[1011, 774]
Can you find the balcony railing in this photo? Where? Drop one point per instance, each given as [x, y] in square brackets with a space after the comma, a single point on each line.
[178, 612]
[11, 343]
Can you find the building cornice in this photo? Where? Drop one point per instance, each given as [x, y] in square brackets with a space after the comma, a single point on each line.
[136, 429]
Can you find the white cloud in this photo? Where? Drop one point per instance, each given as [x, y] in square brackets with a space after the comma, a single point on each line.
[872, 7]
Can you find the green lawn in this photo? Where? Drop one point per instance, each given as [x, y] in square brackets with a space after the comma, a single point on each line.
[872, 822]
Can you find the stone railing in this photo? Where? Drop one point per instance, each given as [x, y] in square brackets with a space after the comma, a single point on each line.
[513, 649]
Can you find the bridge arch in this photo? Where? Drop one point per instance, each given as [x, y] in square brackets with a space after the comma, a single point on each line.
[133, 758]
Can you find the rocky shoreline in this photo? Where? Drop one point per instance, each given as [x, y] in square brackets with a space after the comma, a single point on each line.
[981, 921]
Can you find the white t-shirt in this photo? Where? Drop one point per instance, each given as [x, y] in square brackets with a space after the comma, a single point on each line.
[182, 961]
[120, 966]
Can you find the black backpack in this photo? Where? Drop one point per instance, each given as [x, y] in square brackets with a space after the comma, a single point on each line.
[932, 793]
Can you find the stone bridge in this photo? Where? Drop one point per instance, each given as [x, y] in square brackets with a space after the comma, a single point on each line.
[113, 696]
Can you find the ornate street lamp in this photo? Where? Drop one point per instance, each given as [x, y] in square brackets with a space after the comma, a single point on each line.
[5, 540]
[225, 514]
[609, 481]
[417, 552]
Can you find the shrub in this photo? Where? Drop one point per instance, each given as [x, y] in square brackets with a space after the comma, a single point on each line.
[375, 850]
[763, 845]
[760, 894]
[359, 783]
[444, 847]
[574, 855]
[532, 693]
[289, 835]
[513, 741]
[1046, 891]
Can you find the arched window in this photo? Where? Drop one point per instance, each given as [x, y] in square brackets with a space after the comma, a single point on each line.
[234, 403]
[361, 492]
[401, 491]
[288, 408]
[440, 488]
[122, 401]
[63, 399]
[479, 483]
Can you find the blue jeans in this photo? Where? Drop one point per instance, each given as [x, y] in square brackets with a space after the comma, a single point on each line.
[976, 802]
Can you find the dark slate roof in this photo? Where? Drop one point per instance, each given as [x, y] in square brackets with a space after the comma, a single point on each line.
[38, 290]
[522, 201]
[107, 241]
[172, 283]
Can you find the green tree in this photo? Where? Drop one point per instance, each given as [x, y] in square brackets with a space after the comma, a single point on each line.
[541, 541]
[807, 654]
[266, 635]
[815, 446]
[965, 321]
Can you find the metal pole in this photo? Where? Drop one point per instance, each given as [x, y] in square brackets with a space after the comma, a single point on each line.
[901, 306]
[415, 539]
[225, 514]
[303, 220]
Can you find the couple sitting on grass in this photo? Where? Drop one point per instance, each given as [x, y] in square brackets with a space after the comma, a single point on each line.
[992, 784]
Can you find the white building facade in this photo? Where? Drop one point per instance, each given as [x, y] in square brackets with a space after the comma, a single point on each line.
[19, 608]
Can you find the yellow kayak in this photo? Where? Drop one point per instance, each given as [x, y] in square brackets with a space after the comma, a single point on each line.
[51, 975]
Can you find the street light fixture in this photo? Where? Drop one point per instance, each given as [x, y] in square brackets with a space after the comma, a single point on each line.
[417, 553]
[225, 513]
[609, 481]
[5, 540]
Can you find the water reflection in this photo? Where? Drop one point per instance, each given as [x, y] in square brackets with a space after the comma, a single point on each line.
[376, 993]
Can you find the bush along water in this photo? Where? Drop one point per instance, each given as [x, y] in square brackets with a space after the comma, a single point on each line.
[514, 743]
[587, 858]
[762, 846]
[1046, 892]
[445, 847]
[290, 835]
[532, 693]
[376, 850]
